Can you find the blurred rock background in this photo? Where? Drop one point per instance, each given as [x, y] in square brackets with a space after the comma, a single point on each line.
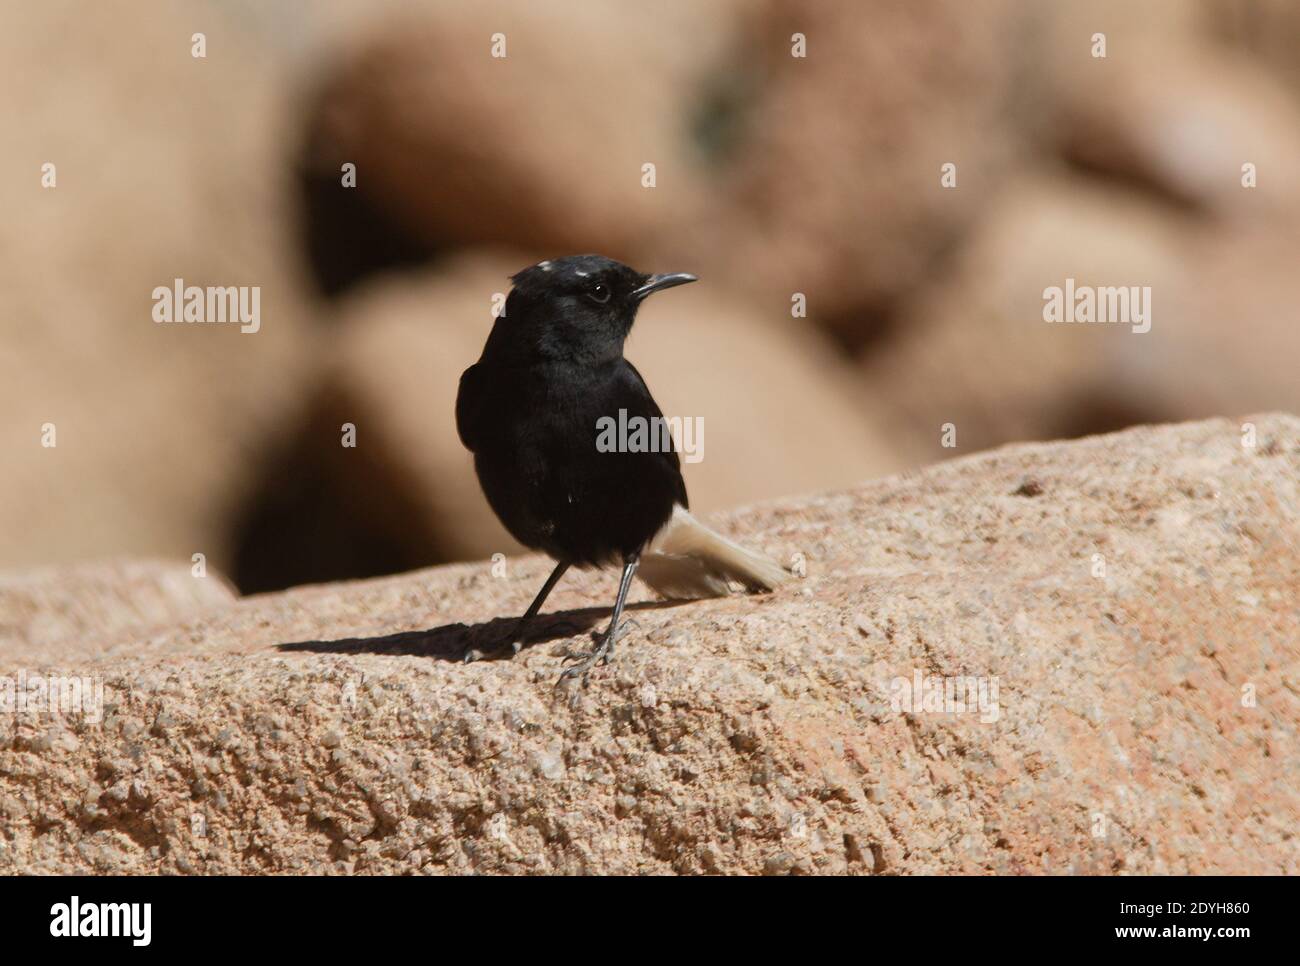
[775, 175]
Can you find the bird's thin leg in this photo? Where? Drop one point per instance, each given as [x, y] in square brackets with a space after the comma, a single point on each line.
[513, 640]
[545, 592]
[606, 646]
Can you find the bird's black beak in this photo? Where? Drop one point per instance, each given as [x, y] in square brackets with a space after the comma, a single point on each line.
[656, 283]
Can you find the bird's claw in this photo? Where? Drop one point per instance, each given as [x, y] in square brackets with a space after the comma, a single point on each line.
[473, 653]
[511, 642]
[586, 661]
[602, 652]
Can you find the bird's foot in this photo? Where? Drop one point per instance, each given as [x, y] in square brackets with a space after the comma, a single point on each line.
[512, 642]
[483, 652]
[586, 660]
[603, 651]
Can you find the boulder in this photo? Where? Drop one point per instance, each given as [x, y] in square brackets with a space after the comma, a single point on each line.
[68, 609]
[124, 435]
[832, 186]
[975, 353]
[510, 123]
[1104, 633]
[1185, 120]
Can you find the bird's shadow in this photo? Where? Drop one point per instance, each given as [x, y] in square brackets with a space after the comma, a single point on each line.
[451, 642]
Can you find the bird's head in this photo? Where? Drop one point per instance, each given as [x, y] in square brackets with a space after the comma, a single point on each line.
[582, 303]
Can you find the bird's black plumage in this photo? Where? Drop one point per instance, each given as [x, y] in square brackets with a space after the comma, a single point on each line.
[529, 410]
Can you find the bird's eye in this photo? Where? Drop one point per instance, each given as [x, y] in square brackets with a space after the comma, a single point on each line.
[598, 293]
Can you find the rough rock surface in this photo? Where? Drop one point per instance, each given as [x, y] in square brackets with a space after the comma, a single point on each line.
[1133, 596]
[65, 609]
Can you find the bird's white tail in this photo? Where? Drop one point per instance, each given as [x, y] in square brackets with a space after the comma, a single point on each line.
[687, 560]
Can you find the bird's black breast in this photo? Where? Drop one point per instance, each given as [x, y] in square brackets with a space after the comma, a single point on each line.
[534, 430]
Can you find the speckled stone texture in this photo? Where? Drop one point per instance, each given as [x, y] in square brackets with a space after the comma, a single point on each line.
[1133, 597]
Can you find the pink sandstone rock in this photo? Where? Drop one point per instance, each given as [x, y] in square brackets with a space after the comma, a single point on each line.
[1133, 598]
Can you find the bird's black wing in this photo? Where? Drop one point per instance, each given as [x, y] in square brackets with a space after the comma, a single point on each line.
[651, 409]
[470, 407]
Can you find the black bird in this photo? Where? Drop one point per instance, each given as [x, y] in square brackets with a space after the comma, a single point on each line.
[529, 411]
